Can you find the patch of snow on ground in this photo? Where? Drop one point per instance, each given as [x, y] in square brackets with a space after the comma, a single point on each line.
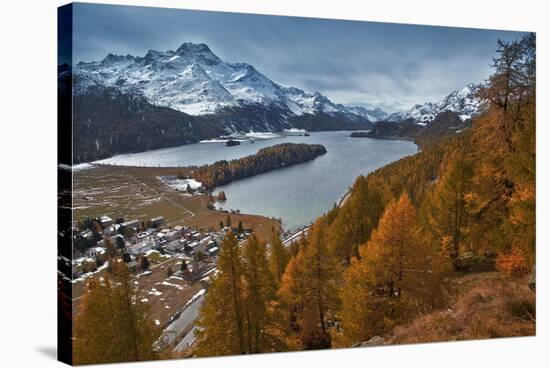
[81, 260]
[180, 184]
[75, 167]
[90, 274]
[166, 283]
[176, 277]
[199, 293]
[151, 251]
[263, 135]
[155, 292]
[145, 273]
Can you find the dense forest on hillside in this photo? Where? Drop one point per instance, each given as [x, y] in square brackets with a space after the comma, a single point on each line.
[266, 159]
[455, 218]
[107, 122]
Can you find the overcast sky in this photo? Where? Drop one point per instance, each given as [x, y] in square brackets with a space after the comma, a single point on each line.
[356, 63]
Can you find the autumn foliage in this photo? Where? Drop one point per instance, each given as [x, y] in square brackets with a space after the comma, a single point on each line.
[390, 254]
[112, 326]
[387, 261]
[237, 317]
[512, 263]
[396, 277]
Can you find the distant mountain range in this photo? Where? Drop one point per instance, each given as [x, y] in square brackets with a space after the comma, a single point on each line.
[462, 102]
[195, 81]
[165, 98]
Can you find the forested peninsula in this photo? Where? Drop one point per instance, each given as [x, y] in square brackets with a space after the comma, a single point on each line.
[266, 159]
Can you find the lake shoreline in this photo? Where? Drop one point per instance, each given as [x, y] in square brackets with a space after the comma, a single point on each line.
[294, 195]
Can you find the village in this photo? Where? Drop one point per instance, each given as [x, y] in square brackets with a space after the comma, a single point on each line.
[170, 266]
[134, 239]
[169, 239]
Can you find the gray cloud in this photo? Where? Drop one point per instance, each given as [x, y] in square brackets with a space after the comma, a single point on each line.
[359, 63]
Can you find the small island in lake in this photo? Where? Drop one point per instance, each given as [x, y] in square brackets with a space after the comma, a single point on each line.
[266, 159]
[231, 143]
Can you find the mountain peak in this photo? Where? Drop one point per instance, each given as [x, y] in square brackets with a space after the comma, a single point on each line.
[193, 47]
[199, 51]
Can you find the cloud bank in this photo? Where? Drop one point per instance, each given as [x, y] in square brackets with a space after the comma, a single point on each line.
[368, 64]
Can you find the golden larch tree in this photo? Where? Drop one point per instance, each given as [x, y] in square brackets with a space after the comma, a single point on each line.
[113, 325]
[259, 293]
[221, 326]
[393, 280]
[309, 289]
[279, 256]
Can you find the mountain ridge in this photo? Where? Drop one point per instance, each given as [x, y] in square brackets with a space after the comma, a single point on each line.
[193, 80]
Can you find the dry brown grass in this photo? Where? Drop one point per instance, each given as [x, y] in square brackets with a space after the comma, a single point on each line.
[488, 305]
[136, 193]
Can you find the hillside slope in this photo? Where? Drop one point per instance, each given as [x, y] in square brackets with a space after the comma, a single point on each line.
[444, 124]
[107, 122]
[486, 305]
[465, 203]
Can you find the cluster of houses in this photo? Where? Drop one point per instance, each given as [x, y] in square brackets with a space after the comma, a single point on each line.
[139, 238]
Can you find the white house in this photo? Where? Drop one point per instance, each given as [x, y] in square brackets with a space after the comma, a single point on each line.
[172, 235]
[132, 224]
[141, 247]
[158, 221]
[106, 221]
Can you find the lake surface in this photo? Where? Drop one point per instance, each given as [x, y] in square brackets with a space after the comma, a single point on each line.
[297, 194]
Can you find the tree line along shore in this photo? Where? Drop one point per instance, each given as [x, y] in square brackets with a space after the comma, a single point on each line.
[265, 160]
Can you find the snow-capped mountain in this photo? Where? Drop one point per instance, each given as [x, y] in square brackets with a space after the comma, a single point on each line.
[192, 79]
[462, 102]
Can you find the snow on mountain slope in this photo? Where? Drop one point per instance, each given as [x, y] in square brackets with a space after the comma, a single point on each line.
[373, 115]
[194, 80]
[463, 102]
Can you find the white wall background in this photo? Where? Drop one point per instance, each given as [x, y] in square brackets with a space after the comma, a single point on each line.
[28, 180]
